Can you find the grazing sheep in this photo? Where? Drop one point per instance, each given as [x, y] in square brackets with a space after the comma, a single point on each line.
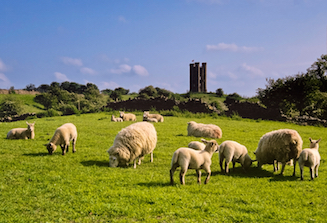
[131, 143]
[62, 136]
[127, 116]
[279, 146]
[188, 158]
[233, 152]
[147, 116]
[310, 158]
[203, 130]
[196, 145]
[22, 133]
[113, 119]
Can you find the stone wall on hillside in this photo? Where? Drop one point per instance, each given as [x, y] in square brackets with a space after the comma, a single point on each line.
[163, 103]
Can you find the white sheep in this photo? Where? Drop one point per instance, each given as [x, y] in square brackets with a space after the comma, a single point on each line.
[233, 152]
[127, 116]
[147, 119]
[310, 158]
[131, 143]
[147, 116]
[196, 145]
[62, 136]
[113, 119]
[22, 133]
[188, 158]
[280, 145]
[203, 130]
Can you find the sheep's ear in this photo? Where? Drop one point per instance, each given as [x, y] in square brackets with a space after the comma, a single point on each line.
[318, 140]
[310, 139]
[205, 141]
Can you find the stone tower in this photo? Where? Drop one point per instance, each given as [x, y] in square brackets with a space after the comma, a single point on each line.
[198, 77]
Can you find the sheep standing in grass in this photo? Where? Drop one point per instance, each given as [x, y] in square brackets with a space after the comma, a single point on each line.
[62, 136]
[127, 116]
[280, 145]
[147, 116]
[131, 143]
[22, 133]
[233, 152]
[196, 145]
[113, 119]
[203, 130]
[188, 158]
[310, 158]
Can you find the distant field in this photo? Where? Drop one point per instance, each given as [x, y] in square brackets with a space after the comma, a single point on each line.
[27, 100]
[80, 187]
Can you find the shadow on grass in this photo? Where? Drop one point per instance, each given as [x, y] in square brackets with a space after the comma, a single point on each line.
[95, 163]
[40, 154]
[155, 184]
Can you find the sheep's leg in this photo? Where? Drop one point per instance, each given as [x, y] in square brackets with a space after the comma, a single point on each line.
[208, 176]
[233, 165]
[134, 166]
[311, 173]
[283, 167]
[63, 149]
[182, 176]
[275, 165]
[294, 165]
[198, 173]
[221, 160]
[316, 170]
[301, 172]
[73, 143]
[226, 166]
[172, 171]
[151, 157]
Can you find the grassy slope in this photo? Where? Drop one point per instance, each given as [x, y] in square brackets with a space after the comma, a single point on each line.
[29, 105]
[80, 187]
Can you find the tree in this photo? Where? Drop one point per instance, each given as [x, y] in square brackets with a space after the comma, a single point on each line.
[219, 92]
[149, 90]
[30, 87]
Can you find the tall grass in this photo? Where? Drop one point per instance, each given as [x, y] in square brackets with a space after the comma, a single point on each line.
[80, 187]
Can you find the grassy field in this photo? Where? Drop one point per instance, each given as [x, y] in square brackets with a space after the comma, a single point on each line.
[27, 101]
[80, 187]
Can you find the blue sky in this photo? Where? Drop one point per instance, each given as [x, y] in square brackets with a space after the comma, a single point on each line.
[133, 44]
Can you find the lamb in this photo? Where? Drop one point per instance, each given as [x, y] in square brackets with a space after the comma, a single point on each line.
[310, 158]
[131, 143]
[147, 119]
[127, 116]
[280, 145]
[22, 133]
[62, 136]
[147, 116]
[113, 119]
[196, 145]
[234, 152]
[188, 158]
[203, 130]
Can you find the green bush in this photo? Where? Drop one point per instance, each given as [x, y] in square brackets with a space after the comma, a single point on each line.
[10, 106]
[49, 113]
[68, 109]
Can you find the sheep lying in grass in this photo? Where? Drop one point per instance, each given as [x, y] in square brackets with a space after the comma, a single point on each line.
[147, 119]
[234, 152]
[62, 136]
[203, 130]
[188, 158]
[113, 119]
[22, 133]
[310, 158]
[127, 116]
[280, 145]
[147, 116]
[196, 145]
[131, 143]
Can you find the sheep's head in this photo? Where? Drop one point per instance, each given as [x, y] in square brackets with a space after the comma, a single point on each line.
[314, 143]
[51, 147]
[121, 114]
[247, 162]
[118, 156]
[113, 161]
[30, 126]
[211, 145]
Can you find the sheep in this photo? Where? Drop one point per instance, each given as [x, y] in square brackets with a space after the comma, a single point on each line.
[131, 143]
[127, 116]
[203, 130]
[147, 116]
[280, 145]
[22, 133]
[310, 158]
[196, 145]
[188, 158]
[148, 119]
[113, 119]
[233, 152]
[62, 136]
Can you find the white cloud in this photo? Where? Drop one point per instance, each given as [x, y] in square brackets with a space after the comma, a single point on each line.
[72, 61]
[232, 47]
[61, 76]
[86, 70]
[2, 66]
[4, 81]
[123, 68]
[108, 85]
[253, 71]
[140, 70]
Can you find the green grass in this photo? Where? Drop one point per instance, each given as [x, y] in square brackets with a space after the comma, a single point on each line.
[27, 100]
[80, 187]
